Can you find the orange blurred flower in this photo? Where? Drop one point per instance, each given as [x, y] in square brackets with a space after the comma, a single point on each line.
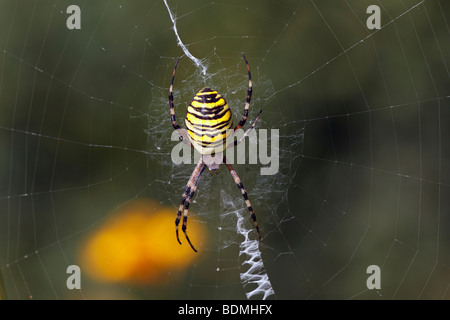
[138, 245]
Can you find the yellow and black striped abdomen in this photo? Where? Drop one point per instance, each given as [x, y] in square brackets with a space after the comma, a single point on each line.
[208, 119]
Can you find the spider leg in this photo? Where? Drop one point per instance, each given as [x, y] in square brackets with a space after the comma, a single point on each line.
[188, 193]
[236, 142]
[186, 206]
[181, 132]
[249, 96]
[239, 184]
[171, 105]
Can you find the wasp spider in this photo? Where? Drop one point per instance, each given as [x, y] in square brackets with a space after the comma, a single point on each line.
[208, 122]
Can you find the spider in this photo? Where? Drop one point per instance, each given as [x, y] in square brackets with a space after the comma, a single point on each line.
[208, 122]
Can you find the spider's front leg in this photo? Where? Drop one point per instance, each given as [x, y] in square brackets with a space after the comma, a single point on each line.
[182, 134]
[249, 96]
[186, 198]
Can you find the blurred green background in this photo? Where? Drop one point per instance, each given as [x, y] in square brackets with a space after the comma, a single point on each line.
[364, 173]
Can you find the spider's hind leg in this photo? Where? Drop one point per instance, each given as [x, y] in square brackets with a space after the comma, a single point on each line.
[188, 193]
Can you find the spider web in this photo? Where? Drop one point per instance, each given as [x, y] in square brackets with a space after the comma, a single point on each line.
[364, 164]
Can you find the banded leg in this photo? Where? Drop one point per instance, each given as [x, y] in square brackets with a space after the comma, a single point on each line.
[181, 132]
[186, 198]
[171, 105]
[239, 184]
[249, 96]
[236, 142]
